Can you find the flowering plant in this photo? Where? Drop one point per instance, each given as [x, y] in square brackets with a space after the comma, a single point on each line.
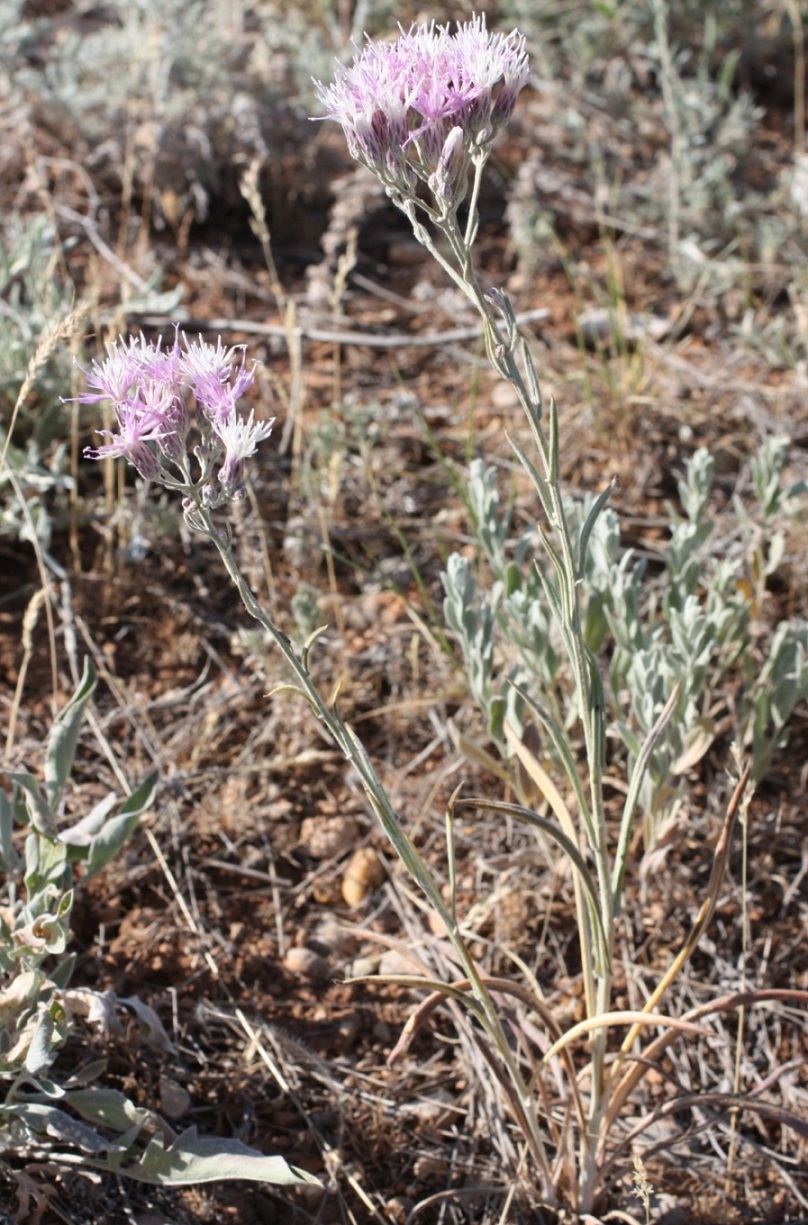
[421, 113]
[426, 107]
[150, 388]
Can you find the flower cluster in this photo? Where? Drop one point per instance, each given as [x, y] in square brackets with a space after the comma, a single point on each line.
[418, 108]
[150, 387]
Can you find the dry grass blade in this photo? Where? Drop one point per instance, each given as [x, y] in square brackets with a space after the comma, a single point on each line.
[700, 924]
[727, 1003]
[626, 1016]
[725, 1103]
[459, 989]
[558, 836]
[733, 1102]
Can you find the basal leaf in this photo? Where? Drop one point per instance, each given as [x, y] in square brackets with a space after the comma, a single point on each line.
[192, 1158]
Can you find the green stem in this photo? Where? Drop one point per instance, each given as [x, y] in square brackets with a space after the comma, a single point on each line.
[354, 752]
[598, 980]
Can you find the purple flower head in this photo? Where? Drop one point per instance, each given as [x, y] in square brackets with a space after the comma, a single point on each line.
[398, 102]
[137, 425]
[371, 101]
[217, 400]
[163, 397]
[150, 388]
[199, 359]
[240, 438]
[115, 376]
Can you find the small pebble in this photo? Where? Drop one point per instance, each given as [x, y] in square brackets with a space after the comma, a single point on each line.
[399, 1208]
[363, 874]
[327, 837]
[306, 964]
[175, 1102]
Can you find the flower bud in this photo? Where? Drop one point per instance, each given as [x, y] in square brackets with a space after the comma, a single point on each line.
[141, 457]
[448, 183]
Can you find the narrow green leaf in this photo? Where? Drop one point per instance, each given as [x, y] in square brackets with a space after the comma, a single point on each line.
[553, 466]
[539, 483]
[591, 520]
[550, 592]
[109, 840]
[532, 380]
[64, 735]
[39, 812]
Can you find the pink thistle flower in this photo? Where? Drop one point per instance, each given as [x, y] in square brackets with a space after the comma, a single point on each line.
[209, 373]
[115, 376]
[199, 359]
[138, 424]
[218, 400]
[240, 437]
[397, 102]
[150, 387]
[168, 404]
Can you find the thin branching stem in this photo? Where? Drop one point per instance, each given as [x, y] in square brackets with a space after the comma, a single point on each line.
[567, 561]
[354, 752]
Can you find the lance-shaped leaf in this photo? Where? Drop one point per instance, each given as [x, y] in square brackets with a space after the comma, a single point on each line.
[50, 1123]
[110, 1108]
[82, 833]
[40, 813]
[188, 1160]
[64, 736]
[192, 1159]
[112, 835]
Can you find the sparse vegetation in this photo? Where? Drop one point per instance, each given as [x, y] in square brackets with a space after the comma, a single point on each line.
[240, 970]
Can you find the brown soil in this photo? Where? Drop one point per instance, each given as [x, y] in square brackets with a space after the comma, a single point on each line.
[237, 933]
